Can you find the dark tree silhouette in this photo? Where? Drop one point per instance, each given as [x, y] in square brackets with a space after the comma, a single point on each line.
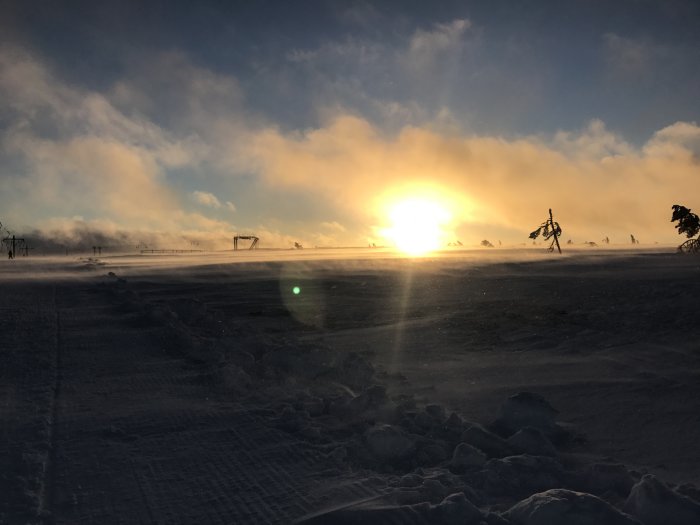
[486, 243]
[549, 230]
[688, 224]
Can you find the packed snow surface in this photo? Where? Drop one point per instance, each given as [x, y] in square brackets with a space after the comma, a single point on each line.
[338, 386]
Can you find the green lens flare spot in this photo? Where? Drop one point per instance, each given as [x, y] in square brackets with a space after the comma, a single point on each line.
[296, 290]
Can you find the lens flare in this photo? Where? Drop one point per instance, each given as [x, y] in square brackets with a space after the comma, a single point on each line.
[296, 290]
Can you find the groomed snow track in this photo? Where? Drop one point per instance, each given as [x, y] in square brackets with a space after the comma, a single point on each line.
[129, 431]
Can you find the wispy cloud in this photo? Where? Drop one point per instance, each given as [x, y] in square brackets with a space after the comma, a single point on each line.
[632, 56]
[206, 199]
[442, 37]
[333, 226]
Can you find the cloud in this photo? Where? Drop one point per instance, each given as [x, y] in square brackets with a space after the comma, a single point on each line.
[169, 87]
[405, 75]
[597, 183]
[302, 55]
[69, 151]
[442, 37]
[43, 106]
[632, 56]
[333, 226]
[206, 199]
[677, 140]
[595, 141]
[434, 59]
[96, 176]
[130, 160]
[362, 14]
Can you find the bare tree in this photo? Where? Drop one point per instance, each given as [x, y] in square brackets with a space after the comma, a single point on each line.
[549, 230]
[688, 224]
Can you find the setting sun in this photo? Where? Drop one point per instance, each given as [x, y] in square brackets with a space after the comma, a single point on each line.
[417, 226]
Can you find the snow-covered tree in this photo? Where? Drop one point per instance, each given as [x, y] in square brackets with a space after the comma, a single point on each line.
[688, 224]
[549, 230]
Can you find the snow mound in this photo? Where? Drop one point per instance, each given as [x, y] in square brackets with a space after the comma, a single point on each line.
[388, 443]
[526, 409]
[654, 503]
[521, 475]
[566, 507]
[488, 442]
[606, 477]
[531, 440]
[455, 509]
[466, 457]
[363, 514]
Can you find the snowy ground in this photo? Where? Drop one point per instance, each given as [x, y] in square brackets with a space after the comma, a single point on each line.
[203, 389]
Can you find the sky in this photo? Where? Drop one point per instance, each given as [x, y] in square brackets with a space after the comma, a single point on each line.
[176, 124]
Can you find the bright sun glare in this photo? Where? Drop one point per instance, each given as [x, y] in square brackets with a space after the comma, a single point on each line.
[417, 225]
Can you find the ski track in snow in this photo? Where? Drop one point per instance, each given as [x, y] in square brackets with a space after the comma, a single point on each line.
[155, 448]
[131, 434]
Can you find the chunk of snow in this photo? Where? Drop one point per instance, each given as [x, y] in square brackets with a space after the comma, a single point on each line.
[654, 503]
[566, 507]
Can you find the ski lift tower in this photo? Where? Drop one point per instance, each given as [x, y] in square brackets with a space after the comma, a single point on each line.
[16, 243]
[252, 238]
